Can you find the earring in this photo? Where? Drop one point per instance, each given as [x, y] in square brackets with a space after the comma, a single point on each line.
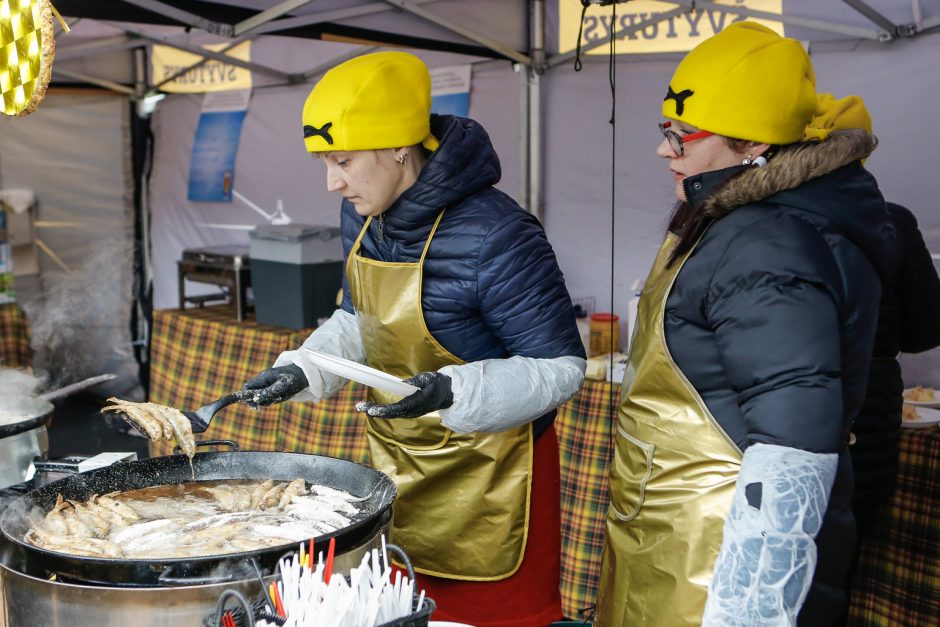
[401, 158]
[747, 160]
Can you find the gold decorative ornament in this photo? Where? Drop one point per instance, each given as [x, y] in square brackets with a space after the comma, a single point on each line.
[27, 47]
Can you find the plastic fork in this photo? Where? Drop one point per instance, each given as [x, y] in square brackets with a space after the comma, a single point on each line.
[201, 418]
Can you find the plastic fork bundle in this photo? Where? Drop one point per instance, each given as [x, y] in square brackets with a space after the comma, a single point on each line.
[307, 595]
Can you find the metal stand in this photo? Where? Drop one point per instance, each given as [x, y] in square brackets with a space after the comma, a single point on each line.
[225, 266]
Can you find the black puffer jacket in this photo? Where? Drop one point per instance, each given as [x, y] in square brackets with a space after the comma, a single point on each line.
[908, 322]
[772, 318]
[492, 287]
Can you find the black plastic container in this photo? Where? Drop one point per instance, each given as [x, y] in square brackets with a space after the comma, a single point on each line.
[296, 273]
[295, 295]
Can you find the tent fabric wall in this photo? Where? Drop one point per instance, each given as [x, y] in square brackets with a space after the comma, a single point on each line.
[74, 152]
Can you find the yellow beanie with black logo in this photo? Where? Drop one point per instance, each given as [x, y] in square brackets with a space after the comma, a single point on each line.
[746, 82]
[379, 100]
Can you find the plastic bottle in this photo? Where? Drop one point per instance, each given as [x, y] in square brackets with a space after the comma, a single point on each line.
[605, 334]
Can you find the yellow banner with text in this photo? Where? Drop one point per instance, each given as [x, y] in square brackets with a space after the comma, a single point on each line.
[679, 33]
[213, 75]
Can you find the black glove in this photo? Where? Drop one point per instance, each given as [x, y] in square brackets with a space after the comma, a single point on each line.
[275, 385]
[435, 393]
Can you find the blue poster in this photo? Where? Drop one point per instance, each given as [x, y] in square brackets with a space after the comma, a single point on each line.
[450, 90]
[451, 104]
[212, 167]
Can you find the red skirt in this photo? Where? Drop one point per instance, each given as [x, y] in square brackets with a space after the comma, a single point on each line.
[530, 598]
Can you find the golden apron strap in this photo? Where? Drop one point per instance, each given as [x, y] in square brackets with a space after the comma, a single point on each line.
[358, 243]
[427, 244]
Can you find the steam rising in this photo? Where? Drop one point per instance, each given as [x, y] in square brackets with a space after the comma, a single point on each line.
[79, 320]
[18, 396]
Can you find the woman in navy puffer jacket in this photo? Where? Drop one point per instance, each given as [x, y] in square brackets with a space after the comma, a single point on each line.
[492, 287]
[453, 287]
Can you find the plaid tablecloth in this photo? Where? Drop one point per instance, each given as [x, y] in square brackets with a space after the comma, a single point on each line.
[14, 338]
[898, 576]
[585, 425]
[201, 354]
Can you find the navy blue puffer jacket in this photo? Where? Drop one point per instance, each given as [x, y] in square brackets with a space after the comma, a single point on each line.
[772, 318]
[492, 287]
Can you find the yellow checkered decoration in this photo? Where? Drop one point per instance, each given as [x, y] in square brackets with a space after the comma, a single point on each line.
[27, 47]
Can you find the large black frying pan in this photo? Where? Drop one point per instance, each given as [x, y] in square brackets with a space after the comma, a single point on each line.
[357, 479]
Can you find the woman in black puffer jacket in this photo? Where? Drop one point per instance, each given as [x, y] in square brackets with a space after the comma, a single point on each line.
[731, 482]
[907, 323]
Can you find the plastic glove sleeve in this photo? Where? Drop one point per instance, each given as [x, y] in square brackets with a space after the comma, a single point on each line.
[768, 552]
[499, 394]
[337, 336]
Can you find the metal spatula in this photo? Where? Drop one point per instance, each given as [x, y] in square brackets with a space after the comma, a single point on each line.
[201, 418]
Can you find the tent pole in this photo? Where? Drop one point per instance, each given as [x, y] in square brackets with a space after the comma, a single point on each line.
[918, 14]
[509, 53]
[205, 53]
[184, 17]
[335, 15]
[100, 82]
[141, 315]
[267, 15]
[534, 110]
[523, 74]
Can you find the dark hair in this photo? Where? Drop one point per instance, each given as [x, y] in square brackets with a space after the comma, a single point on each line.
[689, 223]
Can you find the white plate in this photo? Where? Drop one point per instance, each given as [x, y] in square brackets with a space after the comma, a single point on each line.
[360, 373]
[928, 418]
[933, 403]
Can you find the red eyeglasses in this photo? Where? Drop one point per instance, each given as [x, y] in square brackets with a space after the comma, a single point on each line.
[677, 141]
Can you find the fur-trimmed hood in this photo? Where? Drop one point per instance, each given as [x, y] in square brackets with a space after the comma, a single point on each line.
[824, 178]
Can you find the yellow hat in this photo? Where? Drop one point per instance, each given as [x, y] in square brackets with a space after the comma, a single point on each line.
[379, 100]
[837, 115]
[746, 82]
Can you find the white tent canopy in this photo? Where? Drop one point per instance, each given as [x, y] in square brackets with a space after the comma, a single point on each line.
[549, 124]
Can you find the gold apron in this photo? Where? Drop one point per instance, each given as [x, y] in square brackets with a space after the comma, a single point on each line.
[672, 481]
[463, 499]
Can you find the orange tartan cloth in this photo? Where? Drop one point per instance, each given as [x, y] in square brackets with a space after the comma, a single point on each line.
[199, 355]
[14, 338]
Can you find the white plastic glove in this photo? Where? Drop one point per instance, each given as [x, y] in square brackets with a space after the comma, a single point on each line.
[337, 336]
[768, 553]
[499, 394]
